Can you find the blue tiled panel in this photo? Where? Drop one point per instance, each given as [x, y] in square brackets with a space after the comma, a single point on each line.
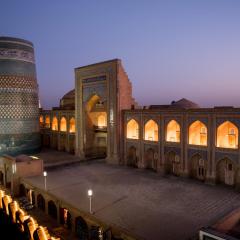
[15, 67]
[19, 113]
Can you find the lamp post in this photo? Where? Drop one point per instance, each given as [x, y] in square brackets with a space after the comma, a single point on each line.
[14, 169]
[45, 180]
[90, 193]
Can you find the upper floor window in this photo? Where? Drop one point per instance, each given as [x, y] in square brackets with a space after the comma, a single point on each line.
[173, 132]
[63, 124]
[227, 135]
[41, 120]
[55, 124]
[197, 134]
[72, 128]
[47, 121]
[132, 129]
[102, 121]
[151, 131]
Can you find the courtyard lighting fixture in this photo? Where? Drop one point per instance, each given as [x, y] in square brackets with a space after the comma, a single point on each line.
[45, 180]
[90, 193]
[14, 169]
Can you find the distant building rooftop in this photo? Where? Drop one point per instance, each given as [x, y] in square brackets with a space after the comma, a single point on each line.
[226, 228]
[182, 103]
[67, 102]
[25, 158]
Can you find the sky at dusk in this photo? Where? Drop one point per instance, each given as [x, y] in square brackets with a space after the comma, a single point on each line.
[169, 49]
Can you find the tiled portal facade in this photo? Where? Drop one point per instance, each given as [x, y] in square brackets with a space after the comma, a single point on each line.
[19, 113]
[103, 120]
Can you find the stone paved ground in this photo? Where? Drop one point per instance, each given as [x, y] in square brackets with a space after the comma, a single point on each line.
[144, 203]
[52, 158]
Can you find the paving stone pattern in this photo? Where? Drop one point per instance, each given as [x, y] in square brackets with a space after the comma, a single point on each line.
[140, 201]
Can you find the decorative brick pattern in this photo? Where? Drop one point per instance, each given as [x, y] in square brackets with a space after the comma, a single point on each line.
[24, 82]
[13, 98]
[19, 113]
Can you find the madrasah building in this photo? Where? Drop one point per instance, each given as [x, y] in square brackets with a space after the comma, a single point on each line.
[100, 119]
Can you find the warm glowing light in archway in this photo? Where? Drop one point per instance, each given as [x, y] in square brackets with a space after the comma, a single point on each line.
[41, 120]
[63, 124]
[198, 134]
[227, 135]
[132, 129]
[151, 131]
[72, 128]
[173, 132]
[55, 124]
[47, 121]
[101, 121]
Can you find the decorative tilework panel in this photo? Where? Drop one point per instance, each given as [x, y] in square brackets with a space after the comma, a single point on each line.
[18, 111]
[17, 54]
[18, 126]
[98, 89]
[13, 98]
[15, 67]
[19, 143]
[13, 81]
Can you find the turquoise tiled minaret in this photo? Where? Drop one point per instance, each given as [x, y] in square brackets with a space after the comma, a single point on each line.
[19, 114]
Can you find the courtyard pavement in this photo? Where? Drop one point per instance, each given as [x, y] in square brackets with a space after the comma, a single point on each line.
[141, 201]
[53, 158]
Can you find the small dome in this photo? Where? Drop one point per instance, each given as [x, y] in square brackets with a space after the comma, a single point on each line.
[68, 100]
[184, 103]
[70, 94]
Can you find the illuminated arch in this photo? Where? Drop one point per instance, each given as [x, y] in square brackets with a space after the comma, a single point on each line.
[63, 124]
[227, 135]
[72, 127]
[47, 121]
[198, 134]
[65, 217]
[132, 129]
[92, 102]
[41, 120]
[101, 120]
[55, 124]
[173, 132]
[151, 131]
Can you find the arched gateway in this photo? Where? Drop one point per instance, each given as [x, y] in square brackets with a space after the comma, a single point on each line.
[132, 157]
[172, 163]
[226, 171]
[103, 90]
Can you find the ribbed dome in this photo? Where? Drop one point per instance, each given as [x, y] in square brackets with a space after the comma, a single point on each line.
[68, 100]
[185, 103]
[70, 94]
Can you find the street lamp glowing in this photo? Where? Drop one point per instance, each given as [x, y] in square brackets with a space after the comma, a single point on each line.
[90, 193]
[45, 180]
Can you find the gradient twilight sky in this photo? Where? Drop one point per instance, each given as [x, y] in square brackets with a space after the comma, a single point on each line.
[170, 49]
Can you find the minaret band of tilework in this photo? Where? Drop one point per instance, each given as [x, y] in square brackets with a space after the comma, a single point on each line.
[19, 113]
